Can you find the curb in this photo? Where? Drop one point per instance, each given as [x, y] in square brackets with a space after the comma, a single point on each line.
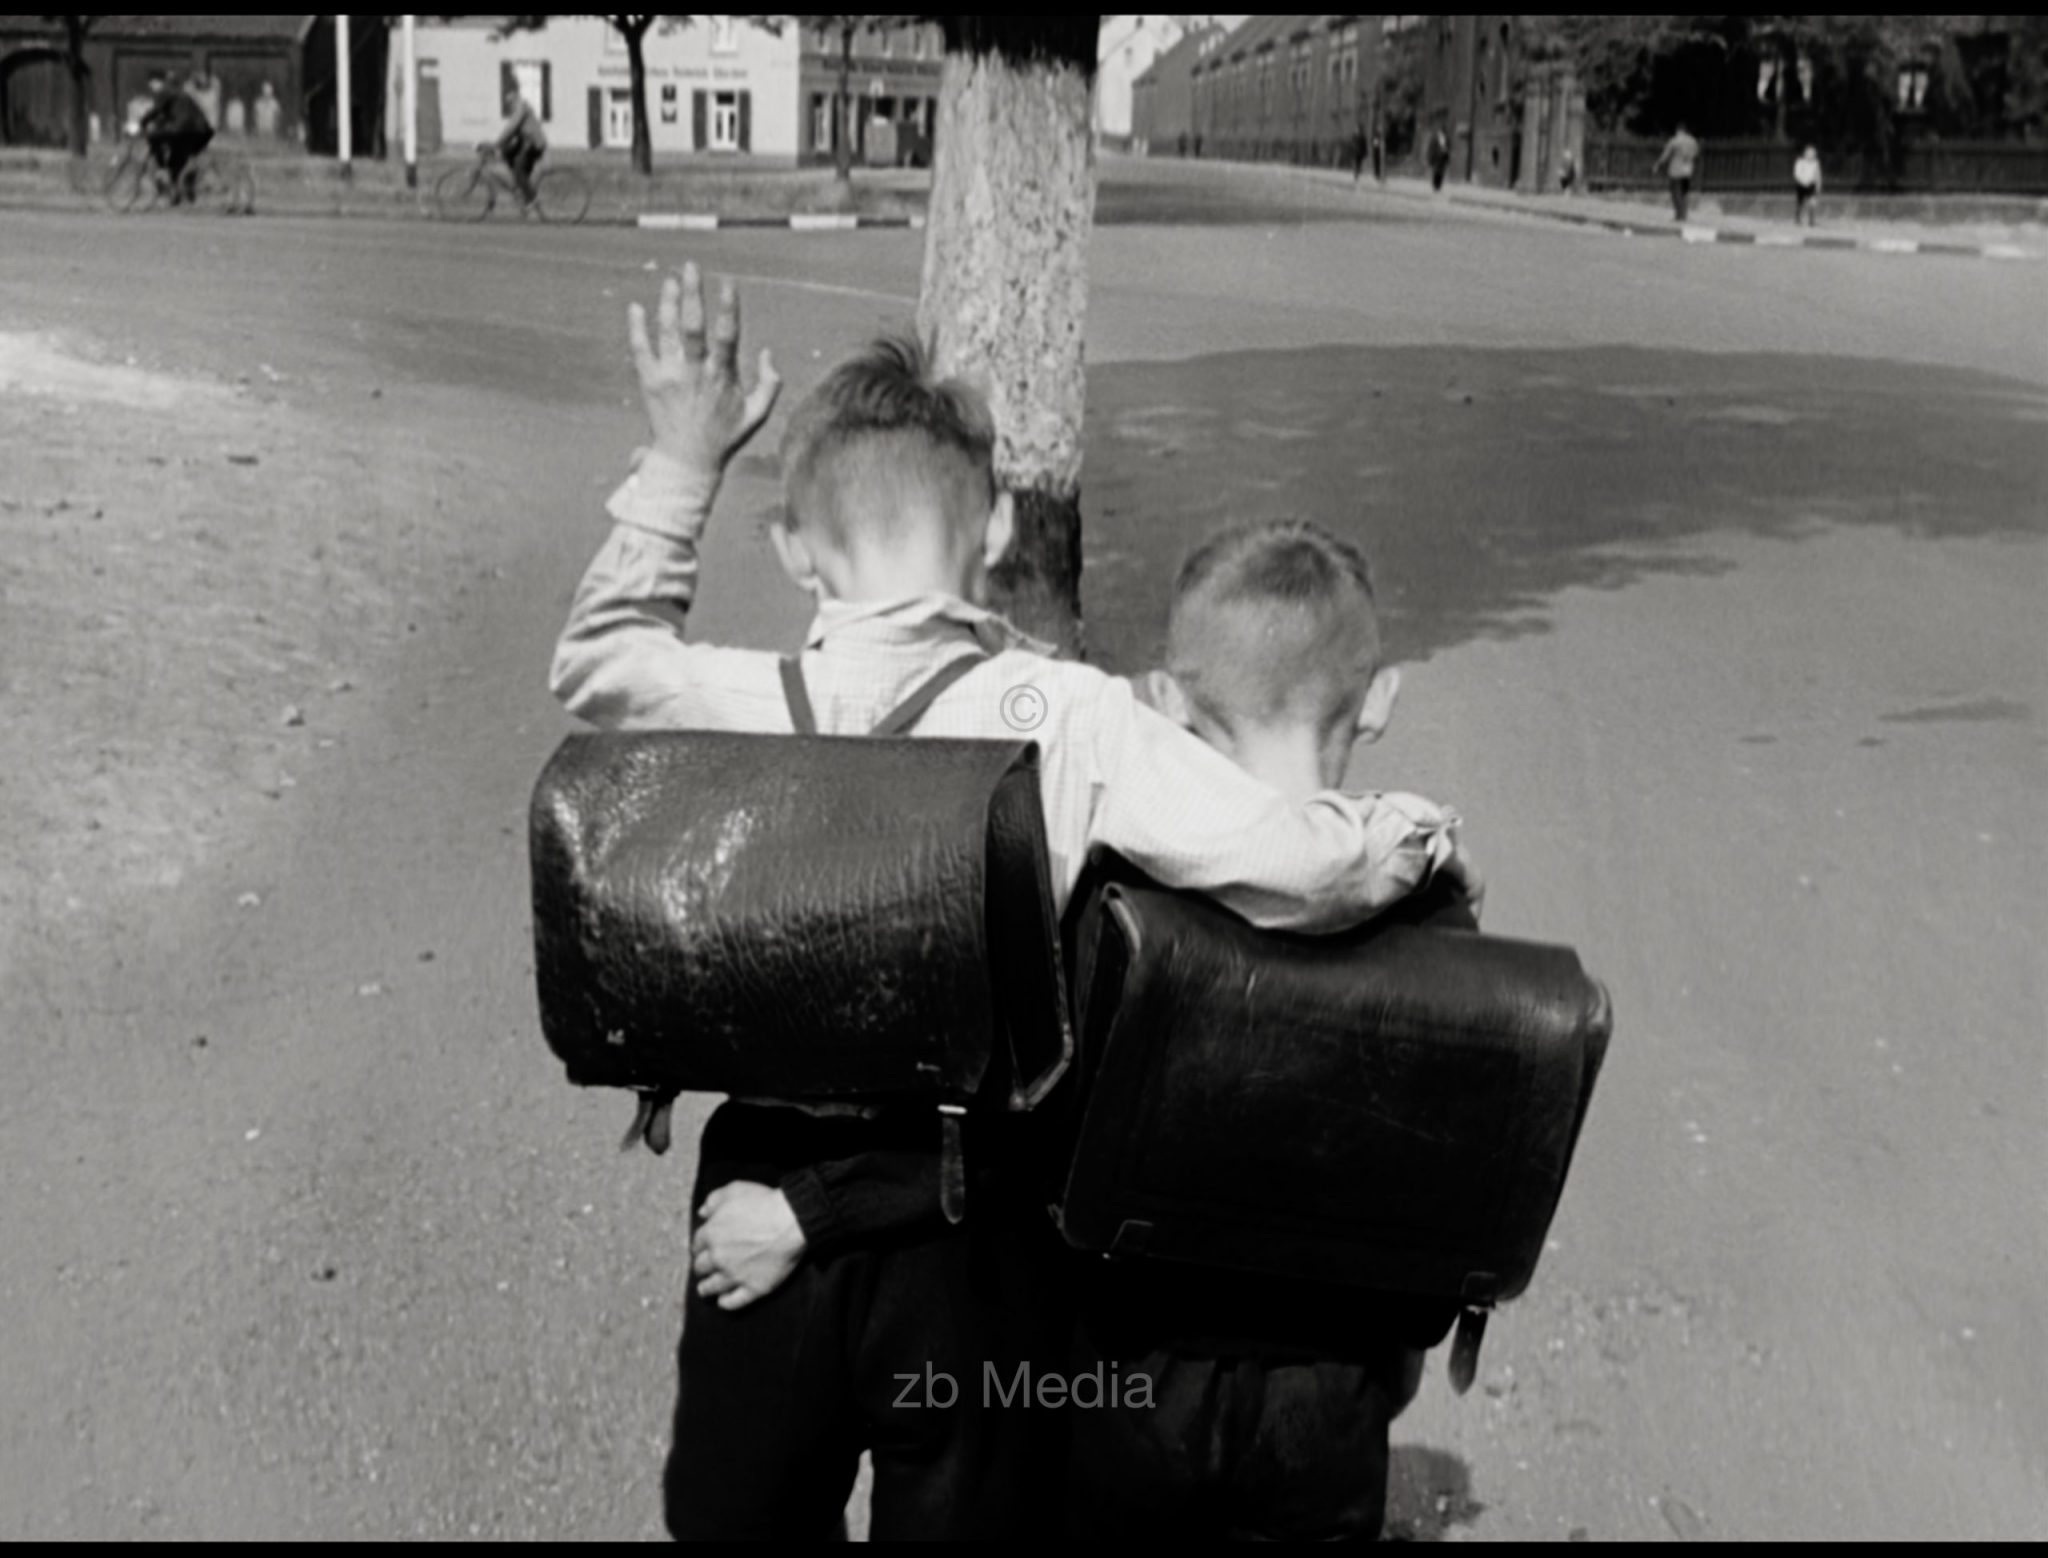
[797, 222]
[1692, 233]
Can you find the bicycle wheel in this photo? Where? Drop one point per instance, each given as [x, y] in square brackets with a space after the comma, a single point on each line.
[561, 195]
[132, 185]
[464, 195]
[215, 186]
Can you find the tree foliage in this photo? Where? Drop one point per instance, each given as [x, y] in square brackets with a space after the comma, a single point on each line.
[1828, 77]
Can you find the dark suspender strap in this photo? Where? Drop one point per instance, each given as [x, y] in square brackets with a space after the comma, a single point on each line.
[798, 697]
[898, 721]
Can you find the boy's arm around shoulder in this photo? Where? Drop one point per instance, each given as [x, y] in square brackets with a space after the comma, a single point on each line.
[1187, 816]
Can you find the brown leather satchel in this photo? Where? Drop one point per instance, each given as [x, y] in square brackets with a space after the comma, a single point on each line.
[816, 918]
[1393, 1109]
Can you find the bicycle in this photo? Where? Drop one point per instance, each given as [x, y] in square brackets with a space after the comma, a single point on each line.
[470, 194]
[215, 180]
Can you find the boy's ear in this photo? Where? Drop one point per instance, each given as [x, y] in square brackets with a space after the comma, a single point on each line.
[1002, 529]
[1160, 691]
[1378, 707]
[794, 555]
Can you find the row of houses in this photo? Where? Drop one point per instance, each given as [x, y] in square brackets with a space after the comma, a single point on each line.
[1314, 89]
[720, 85]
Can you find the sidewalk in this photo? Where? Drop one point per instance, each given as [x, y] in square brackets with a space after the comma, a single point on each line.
[694, 195]
[1709, 223]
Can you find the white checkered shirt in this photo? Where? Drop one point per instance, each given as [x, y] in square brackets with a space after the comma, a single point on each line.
[1113, 771]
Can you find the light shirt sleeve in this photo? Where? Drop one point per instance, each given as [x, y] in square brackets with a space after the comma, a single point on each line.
[622, 661]
[1189, 817]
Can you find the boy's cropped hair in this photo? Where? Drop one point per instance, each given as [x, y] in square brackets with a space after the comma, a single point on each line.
[881, 429]
[1261, 610]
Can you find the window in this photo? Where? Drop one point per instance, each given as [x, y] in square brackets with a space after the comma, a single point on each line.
[821, 122]
[725, 121]
[725, 35]
[669, 106]
[614, 40]
[1912, 88]
[924, 43]
[888, 43]
[618, 117]
[531, 78]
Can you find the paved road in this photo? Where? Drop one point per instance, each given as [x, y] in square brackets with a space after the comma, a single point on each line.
[1721, 572]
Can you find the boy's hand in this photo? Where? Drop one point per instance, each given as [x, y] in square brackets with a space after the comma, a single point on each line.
[696, 409]
[1460, 869]
[747, 1244]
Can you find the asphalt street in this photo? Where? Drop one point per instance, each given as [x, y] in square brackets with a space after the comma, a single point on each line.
[1719, 574]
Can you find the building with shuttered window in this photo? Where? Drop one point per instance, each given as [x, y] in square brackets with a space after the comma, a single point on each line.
[718, 87]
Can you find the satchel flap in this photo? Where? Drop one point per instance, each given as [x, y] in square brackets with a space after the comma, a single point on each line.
[796, 917]
[1395, 1107]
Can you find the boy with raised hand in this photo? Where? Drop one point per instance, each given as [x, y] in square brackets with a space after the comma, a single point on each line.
[1269, 1401]
[827, 1273]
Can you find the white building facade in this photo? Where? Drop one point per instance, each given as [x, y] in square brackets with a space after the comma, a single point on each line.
[720, 86]
[1126, 46]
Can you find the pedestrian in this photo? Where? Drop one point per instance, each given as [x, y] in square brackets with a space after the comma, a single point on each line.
[178, 131]
[1439, 157]
[204, 88]
[1679, 158]
[1806, 189]
[1568, 173]
[1379, 158]
[1358, 150]
[268, 112]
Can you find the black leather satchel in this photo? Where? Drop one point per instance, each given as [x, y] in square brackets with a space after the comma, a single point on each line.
[1392, 1109]
[815, 918]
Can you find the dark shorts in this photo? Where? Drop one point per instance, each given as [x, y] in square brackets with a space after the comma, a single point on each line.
[1238, 1447]
[883, 1348]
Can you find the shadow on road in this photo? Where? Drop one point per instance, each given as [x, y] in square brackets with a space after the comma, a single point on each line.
[1428, 1493]
[1481, 483]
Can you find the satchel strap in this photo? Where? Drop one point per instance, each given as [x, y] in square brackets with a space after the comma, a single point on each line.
[899, 720]
[798, 697]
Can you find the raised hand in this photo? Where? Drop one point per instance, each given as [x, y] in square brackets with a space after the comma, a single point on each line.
[698, 412]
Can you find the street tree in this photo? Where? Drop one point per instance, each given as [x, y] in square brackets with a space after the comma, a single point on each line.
[633, 31]
[75, 30]
[843, 30]
[1005, 288]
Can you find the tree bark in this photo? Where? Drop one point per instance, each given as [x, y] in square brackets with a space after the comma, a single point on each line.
[842, 154]
[74, 61]
[1005, 289]
[636, 64]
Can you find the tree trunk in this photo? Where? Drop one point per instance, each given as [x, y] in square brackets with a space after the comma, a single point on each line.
[74, 61]
[842, 154]
[643, 133]
[1006, 285]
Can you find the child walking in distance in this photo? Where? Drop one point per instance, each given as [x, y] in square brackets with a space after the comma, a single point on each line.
[1806, 189]
[1270, 1401]
[826, 1273]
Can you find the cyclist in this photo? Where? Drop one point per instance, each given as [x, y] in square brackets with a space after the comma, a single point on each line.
[522, 142]
[178, 130]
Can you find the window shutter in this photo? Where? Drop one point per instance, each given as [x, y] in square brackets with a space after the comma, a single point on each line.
[596, 117]
[746, 121]
[699, 132]
[506, 80]
[547, 92]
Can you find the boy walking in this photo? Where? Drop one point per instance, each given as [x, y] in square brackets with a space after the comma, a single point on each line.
[1676, 162]
[826, 1272]
[1270, 1403]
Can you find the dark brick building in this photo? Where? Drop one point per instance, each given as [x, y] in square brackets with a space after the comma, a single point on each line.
[1288, 89]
